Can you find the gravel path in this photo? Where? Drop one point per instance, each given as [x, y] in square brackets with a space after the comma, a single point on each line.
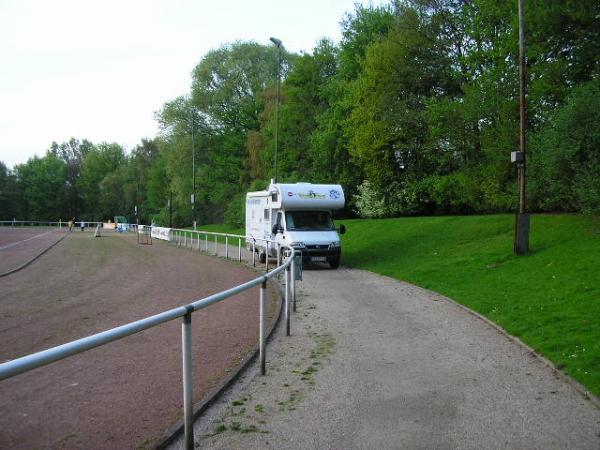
[374, 363]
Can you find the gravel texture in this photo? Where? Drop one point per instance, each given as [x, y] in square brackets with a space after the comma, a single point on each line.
[374, 363]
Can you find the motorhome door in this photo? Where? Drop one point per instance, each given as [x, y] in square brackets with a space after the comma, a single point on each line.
[278, 220]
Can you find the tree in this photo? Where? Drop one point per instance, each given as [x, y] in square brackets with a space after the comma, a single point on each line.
[99, 162]
[10, 195]
[225, 103]
[388, 127]
[330, 140]
[303, 100]
[73, 153]
[43, 181]
[565, 160]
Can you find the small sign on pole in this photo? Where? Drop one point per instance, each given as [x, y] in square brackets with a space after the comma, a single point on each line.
[298, 266]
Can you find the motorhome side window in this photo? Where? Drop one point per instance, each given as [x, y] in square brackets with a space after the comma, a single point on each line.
[266, 214]
[274, 197]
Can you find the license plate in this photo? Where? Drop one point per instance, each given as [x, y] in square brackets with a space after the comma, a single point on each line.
[318, 258]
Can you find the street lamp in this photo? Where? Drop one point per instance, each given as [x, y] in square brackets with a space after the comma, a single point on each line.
[277, 43]
[193, 172]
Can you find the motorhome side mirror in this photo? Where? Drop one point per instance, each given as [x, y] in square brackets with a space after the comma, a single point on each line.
[342, 229]
[277, 229]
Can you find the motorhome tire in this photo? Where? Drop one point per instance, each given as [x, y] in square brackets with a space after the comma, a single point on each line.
[262, 257]
[334, 262]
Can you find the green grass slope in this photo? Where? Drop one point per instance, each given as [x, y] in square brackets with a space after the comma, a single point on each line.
[550, 299]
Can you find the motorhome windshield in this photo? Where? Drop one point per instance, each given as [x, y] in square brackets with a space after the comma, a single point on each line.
[308, 220]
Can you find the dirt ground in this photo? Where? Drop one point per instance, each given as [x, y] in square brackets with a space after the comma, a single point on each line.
[127, 393]
[19, 244]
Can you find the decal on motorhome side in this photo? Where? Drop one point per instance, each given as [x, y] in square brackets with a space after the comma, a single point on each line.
[334, 194]
[311, 194]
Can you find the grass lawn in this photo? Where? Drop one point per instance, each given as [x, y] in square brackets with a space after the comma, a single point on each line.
[222, 229]
[550, 299]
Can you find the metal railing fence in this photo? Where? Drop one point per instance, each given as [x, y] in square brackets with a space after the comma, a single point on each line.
[46, 223]
[192, 239]
[29, 223]
[42, 358]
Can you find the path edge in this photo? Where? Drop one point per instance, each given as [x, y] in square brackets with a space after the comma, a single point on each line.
[173, 432]
[580, 388]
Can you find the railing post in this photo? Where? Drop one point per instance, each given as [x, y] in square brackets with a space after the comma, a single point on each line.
[186, 348]
[206, 241]
[278, 254]
[216, 250]
[184, 239]
[226, 247]
[239, 249]
[287, 300]
[262, 324]
[198, 236]
[253, 252]
[266, 256]
[293, 285]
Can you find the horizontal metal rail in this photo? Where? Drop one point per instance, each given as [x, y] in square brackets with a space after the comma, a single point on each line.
[42, 358]
[179, 236]
[42, 223]
[34, 223]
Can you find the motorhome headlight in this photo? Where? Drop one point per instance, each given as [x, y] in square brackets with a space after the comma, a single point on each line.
[335, 244]
[298, 245]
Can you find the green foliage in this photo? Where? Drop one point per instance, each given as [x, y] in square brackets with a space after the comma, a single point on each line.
[565, 159]
[387, 126]
[549, 299]
[369, 203]
[42, 181]
[415, 111]
[99, 162]
[10, 195]
[235, 215]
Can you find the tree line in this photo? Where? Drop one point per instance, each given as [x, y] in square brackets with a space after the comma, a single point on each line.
[415, 111]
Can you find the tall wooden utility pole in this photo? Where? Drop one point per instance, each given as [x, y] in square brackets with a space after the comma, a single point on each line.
[521, 246]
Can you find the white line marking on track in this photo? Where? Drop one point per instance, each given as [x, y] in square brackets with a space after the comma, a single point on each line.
[25, 240]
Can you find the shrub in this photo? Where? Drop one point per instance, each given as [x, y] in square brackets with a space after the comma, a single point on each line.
[565, 155]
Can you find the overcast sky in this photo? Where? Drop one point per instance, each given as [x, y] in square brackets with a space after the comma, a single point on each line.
[100, 69]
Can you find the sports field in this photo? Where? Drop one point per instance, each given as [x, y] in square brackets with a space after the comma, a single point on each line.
[127, 393]
[18, 245]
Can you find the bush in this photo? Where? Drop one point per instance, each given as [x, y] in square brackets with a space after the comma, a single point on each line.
[565, 155]
[393, 200]
[369, 203]
[235, 214]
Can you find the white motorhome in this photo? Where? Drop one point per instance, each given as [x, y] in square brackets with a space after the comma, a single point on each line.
[296, 215]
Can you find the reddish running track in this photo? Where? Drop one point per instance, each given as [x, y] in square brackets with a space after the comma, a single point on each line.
[127, 393]
[20, 244]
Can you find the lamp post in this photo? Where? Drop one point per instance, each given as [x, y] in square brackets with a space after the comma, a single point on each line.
[277, 43]
[170, 204]
[193, 172]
